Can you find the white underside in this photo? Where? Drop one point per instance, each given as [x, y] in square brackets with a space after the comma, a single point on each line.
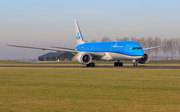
[116, 56]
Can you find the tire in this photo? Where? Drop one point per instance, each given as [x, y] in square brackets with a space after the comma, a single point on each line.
[115, 64]
[88, 65]
[136, 64]
[92, 64]
[121, 64]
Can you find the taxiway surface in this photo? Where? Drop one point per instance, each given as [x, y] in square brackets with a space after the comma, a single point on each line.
[121, 67]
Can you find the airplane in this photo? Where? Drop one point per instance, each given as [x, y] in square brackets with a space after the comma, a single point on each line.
[107, 51]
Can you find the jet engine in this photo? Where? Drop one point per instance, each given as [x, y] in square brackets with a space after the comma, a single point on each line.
[144, 59]
[84, 58]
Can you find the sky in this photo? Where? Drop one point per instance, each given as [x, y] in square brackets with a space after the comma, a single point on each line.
[44, 23]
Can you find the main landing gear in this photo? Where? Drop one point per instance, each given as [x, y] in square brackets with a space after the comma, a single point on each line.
[90, 65]
[118, 63]
[134, 63]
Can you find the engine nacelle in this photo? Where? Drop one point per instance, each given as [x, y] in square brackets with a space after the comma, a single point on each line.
[144, 59]
[84, 58]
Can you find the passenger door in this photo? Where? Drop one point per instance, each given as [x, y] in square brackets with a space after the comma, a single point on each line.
[126, 49]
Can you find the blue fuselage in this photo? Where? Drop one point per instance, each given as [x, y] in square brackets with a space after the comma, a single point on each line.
[125, 47]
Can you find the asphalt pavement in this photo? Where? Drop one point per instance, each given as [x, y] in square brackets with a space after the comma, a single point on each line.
[113, 67]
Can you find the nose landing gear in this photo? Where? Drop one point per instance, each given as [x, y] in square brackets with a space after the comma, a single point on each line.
[134, 63]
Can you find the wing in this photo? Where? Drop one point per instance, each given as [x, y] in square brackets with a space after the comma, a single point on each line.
[58, 50]
[97, 54]
[61, 49]
[157, 47]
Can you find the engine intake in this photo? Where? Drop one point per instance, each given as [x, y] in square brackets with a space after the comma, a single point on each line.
[144, 59]
[84, 58]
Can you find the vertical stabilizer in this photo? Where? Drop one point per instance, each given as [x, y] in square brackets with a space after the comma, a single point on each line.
[79, 36]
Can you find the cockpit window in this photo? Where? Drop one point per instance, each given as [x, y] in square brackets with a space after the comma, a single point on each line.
[136, 48]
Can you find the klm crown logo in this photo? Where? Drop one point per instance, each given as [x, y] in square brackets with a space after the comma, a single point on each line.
[78, 36]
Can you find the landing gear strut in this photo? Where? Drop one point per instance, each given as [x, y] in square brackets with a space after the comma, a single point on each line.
[134, 63]
[90, 65]
[118, 63]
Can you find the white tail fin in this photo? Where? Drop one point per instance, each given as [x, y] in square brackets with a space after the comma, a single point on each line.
[79, 36]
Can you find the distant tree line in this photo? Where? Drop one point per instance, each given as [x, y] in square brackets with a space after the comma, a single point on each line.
[152, 42]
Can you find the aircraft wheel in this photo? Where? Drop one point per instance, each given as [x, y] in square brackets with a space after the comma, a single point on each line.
[115, 64]
[92, 64]
[121, 63]
[118, 64]
[135, 64]
[88, 65]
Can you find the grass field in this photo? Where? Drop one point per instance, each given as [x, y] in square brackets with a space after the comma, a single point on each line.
[54, 89]
[98, 63]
